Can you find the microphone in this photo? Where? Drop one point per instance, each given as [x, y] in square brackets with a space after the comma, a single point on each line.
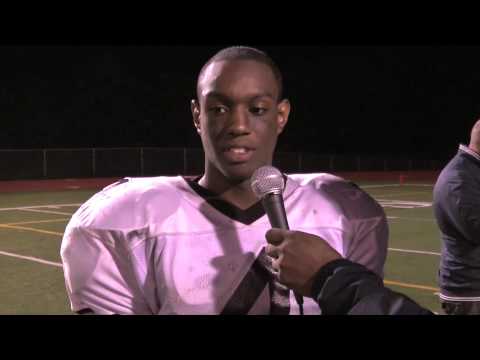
[267, 184]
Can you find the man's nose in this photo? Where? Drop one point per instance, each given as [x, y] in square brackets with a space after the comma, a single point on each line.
[239, 122]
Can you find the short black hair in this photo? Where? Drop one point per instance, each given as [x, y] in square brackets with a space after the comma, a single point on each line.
[245, 53]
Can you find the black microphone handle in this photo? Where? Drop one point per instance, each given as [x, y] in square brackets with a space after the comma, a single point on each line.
[273, 205]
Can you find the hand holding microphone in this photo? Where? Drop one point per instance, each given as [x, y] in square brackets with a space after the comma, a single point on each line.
[297, 255]
[267, 183]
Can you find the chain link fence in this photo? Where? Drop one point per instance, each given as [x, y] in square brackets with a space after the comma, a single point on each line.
[148, 161]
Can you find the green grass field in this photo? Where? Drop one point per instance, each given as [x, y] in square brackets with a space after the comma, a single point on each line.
[32, 224]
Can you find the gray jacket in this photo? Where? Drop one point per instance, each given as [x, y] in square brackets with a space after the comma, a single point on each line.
[456, 204]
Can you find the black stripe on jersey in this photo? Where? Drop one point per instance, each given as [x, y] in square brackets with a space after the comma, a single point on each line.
[251, 287]
[247, 216]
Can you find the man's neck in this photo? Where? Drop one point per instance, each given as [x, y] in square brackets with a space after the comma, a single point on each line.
[474, 148]
[239, 194]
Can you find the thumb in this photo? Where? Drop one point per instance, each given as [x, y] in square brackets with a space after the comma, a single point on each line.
[276, 236]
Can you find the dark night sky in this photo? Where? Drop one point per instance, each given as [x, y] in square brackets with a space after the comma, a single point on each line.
[397, 100]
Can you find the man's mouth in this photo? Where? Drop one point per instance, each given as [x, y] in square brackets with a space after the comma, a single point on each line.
[238, 154]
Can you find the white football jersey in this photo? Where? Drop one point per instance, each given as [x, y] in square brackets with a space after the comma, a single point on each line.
[164, 245]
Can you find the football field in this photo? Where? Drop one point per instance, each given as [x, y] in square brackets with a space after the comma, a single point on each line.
[32, 224]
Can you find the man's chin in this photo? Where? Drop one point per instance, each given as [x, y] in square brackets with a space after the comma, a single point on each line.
[239, 172]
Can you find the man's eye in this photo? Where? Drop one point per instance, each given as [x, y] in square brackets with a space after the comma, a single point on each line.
[258, 110]
[218, 110]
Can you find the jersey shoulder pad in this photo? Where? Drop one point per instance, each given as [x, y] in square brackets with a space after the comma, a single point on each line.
[130, 203]
[348, 196]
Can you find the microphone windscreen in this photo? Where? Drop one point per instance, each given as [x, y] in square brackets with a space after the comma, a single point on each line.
[267, 180]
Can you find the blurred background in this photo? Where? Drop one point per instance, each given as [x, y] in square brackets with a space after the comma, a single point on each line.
[361, 107]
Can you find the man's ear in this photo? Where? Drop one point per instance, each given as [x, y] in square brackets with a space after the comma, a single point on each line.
[195, 107]
[283, 109]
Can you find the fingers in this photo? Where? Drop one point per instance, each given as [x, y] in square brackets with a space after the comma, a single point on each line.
[275, 239]
[276, 266]
[276, 236]
[272, 251]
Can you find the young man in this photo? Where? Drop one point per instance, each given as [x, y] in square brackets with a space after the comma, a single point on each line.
[456, 203]
[172, 245]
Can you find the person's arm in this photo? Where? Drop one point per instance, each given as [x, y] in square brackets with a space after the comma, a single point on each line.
[469, 210]
[310, 266]
[342, 287]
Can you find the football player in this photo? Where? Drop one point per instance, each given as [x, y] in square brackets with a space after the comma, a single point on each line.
[177, 245]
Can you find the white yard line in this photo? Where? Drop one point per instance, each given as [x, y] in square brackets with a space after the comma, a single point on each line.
[402, 204]
[378, 186]
[46, 212]
[38, 207]
[415, 251]
[35, 222]
[31, 258]
[30, 229]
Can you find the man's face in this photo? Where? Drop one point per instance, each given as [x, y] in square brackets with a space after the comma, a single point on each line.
[239, 117]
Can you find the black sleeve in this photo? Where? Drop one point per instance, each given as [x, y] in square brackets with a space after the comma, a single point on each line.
[342, 287]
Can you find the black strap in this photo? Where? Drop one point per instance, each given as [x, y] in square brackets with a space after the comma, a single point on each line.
[86, 311]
